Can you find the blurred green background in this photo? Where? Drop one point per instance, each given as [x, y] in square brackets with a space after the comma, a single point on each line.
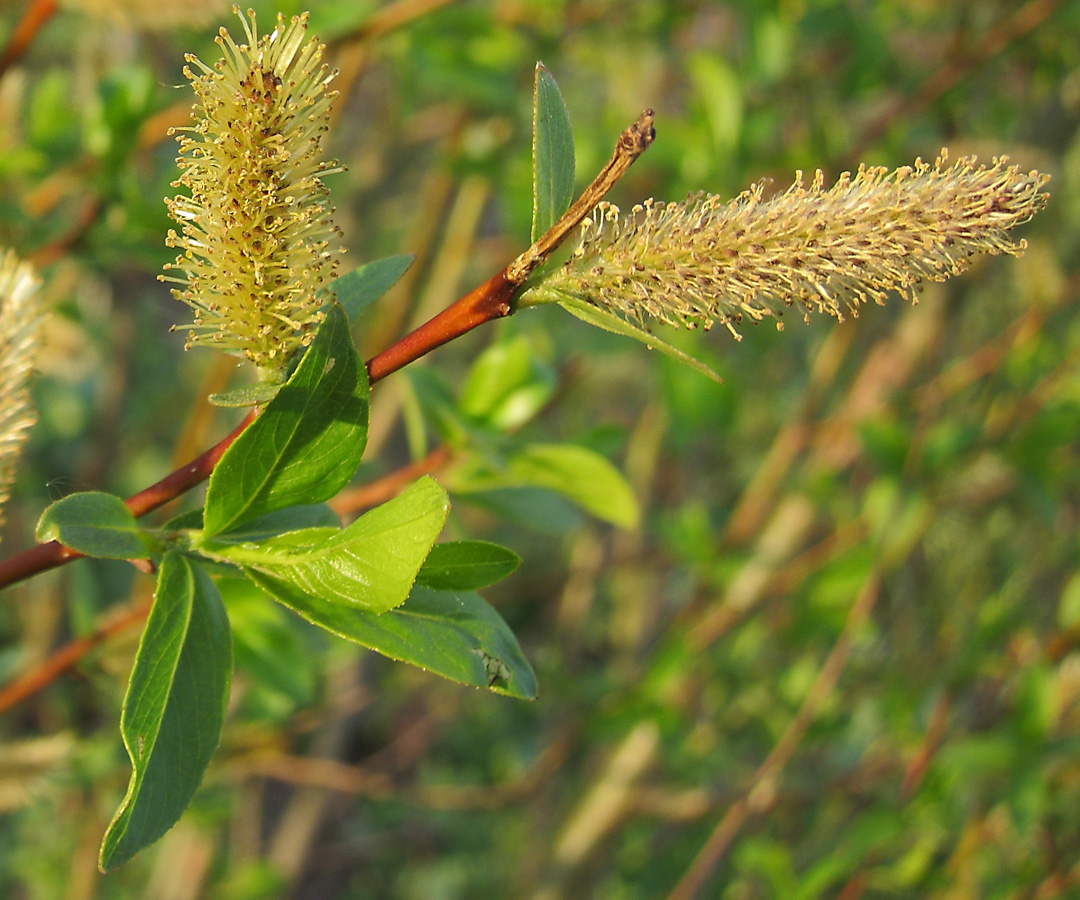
[841, 656]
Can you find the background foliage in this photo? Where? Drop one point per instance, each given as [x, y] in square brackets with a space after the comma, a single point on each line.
[846, 629]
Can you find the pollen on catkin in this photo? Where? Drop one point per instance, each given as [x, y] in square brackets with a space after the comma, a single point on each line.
[20, 342]
[258, 247]
[831, 250]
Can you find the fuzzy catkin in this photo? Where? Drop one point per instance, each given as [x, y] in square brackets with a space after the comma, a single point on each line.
[20, 342]
[705, 260]
[256, 230]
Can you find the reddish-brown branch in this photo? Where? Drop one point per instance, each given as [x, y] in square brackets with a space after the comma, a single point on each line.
[491, 300]
[52, 554]
[382, 489]
[186, 477]
[920, 762]
[38, 14]
[67, 656]
[41, 676]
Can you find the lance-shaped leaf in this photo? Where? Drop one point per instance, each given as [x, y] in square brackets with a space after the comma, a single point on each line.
[94, 523]
[308, 442]
[258, 394]
[553, 153]
[579, 474]
[371, 564]
[358, 289]
[507, 385]
[174, 708]
[454, 634]
[466, 565]
[601, 318]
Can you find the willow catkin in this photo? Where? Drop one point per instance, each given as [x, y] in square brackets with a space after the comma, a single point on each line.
[705, 260]
[20, 342]
[256, 230]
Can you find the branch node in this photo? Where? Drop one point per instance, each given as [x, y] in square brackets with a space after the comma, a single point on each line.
[634, 141]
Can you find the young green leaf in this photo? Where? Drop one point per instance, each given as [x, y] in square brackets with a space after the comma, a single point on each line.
[258, 394]
[533, 508]
[358, 289]
[307, 443]
[267, 643]
[553, 153]
[280, 521]
[454, 634]
[600, 318]
[174, 708]
[292, 518]
[371, 564]
[580, 475]
[466, 565]
[507, 385]
[95, 524]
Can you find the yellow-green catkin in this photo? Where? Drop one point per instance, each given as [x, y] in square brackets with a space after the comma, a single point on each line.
[825, 250]
[257, 241]
[20, 341]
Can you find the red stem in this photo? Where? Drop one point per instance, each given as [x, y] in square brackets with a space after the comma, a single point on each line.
[67, 656]
[38, 14]
[491, 300]
[382, 489]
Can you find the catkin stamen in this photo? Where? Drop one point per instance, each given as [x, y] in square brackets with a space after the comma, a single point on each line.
[704, 260]
[256, 237]
[20, 342]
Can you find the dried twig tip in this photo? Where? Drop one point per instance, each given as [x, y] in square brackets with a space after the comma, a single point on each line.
[636, 139]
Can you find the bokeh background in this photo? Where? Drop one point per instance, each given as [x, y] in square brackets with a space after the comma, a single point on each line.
[838, 659]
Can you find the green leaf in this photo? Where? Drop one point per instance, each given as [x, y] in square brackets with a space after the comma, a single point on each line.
[174, 708]
[94, 523]
[593, 315]
[580, 475]
[721, 95]
[280, 521]
[266, 642]
[306, 444]
[533, 508]
[577, 473]
[506, 385]
[258, 394]
[293, 518]
[358, 289]
[371, 564]
[466, 565]
[188, 519]
[453, 634]
[553, 153]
